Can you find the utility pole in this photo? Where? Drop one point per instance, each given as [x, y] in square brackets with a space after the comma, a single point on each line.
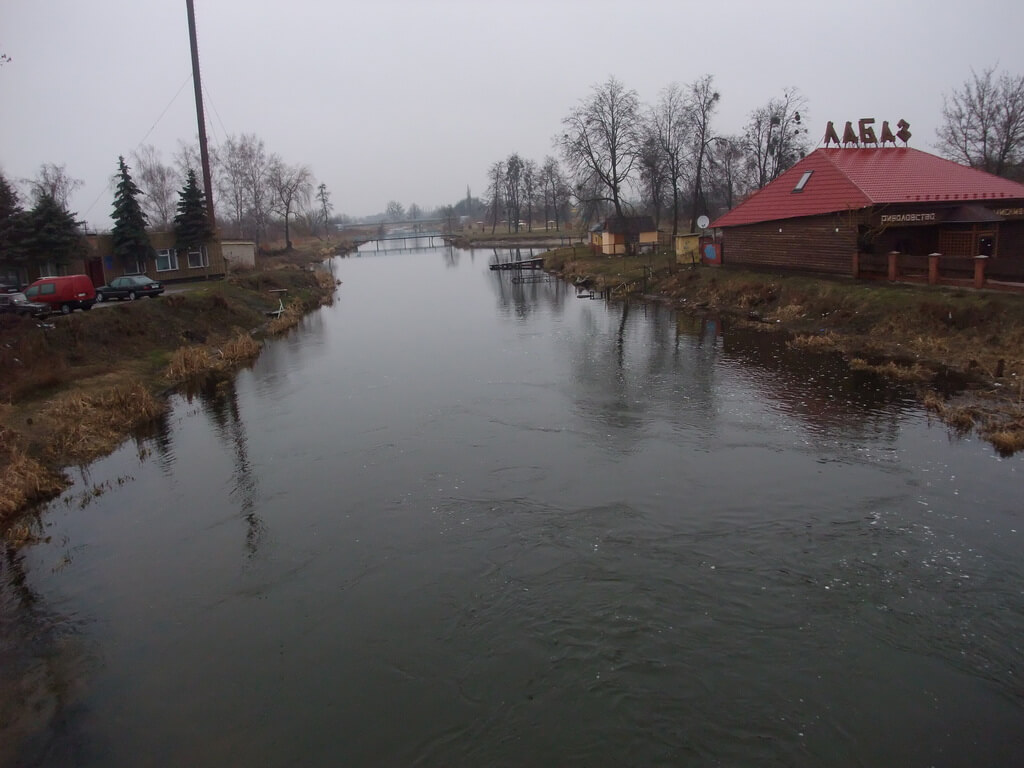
[204, 150]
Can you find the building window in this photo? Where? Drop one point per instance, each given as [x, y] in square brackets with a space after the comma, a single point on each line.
[166, 260]
[52, 269]
[198, 258]
[803, 181]
[134, 266]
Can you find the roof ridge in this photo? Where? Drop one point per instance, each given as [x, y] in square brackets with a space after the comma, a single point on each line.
[846, 175]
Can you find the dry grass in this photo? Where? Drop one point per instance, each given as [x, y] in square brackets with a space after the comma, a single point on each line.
[823, 341]
[85, 426]
[189, 362]
[789, 312]
[192, 362]
[1006, 441]
[999, 423]
[287, 320]
[893, 370]
[240, 350]
[23, 480]
[327, 283]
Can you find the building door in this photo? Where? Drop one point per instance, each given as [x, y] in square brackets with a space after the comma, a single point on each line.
[94, 269]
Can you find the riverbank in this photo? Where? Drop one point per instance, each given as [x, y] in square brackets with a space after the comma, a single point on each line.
[75, 387]
[963, 350]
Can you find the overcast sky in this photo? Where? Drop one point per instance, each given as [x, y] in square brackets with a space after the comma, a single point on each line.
[412, 100]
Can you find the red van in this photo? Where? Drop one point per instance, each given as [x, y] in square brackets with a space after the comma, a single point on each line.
[63, 293]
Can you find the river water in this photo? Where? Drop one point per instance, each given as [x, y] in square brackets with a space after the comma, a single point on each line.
[458, 520]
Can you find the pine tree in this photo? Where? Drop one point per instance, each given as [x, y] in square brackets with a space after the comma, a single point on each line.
[52, 233]
[191, 224]
[131, 243]
[13, 226]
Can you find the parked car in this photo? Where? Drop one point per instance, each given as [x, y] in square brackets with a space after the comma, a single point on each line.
[129, 287]
[18, 304]
[66, 293]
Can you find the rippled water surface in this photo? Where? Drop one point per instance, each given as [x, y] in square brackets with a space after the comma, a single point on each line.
[458, 520]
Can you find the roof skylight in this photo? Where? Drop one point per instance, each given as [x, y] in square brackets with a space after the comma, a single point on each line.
[803, 181]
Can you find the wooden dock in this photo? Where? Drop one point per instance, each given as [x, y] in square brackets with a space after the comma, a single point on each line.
[535, 263]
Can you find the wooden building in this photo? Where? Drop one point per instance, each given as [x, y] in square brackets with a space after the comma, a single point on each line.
[166, 264]
[620, 235]
[862, 210]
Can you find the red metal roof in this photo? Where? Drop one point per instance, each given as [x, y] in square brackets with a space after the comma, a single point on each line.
[850, 179]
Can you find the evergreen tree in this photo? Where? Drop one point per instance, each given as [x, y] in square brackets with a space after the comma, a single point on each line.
[52, 233]
[13, 227]
[131, 243]
[191, 224]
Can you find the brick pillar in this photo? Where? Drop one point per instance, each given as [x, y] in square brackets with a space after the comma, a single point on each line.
[933, 268]
[894, 272]
[979, 271]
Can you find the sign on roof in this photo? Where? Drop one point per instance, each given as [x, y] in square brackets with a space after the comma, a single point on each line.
[865, 133]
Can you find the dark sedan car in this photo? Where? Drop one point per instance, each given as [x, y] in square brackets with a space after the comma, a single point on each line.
[18, 304]
[129, 287]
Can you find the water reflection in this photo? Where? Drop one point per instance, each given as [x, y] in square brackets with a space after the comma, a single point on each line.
[42, 670]
[219, 399]
[520, 294]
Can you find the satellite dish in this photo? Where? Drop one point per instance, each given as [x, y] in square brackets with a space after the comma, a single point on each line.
[703, 222]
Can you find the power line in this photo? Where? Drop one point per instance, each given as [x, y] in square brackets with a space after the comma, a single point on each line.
[213, 106]
[110, 182]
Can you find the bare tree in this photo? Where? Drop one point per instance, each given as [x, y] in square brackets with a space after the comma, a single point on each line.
[701, 102]
[653, 173]
[553, 185]
[255, 167]
[496, 179]
[531, 180]
[670, 123]
[395, 211]
[324, 198]
[447, 212]
[775, 137]
[53, 180]
[159, 184]
[725, 160]
[231, 179]
[600, 141]
[291, 186]
[514, 190]
[186, 158]
[983, 123]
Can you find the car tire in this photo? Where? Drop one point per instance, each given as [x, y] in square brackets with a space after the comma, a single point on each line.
[65, 309]
[131, 295]
[100, 297]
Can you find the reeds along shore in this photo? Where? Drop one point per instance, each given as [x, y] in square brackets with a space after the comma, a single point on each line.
[76, 388]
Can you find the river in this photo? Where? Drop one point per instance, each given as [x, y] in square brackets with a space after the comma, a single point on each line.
[455, 519]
